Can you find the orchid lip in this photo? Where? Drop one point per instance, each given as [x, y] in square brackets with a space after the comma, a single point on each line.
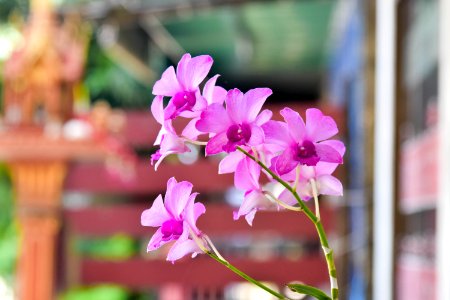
[306, 154]
[171, 229]
[183, 101]
[239, 133]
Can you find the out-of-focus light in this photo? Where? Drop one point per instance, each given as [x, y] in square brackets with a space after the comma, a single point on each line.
[188, 158]
[246, 290]
[293, 295]
[6, 292]
[9, 38]
[76, 200]
[77, 130]
[108, 35]
[234, 197]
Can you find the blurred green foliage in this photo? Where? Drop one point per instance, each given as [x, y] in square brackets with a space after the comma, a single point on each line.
[8, 228]
[108, 81]
[9, 6]
[116, 247]
[101, 292]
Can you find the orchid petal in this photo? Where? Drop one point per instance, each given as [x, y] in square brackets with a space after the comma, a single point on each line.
[208, 89]
[156, 214]
[213, 93]
[156, 241]
[162, 157]
[181, 248]
[287, 197]
[276, 132]
[250, 217]
[235, 106]
[246, 176]
[329, 185]
[195, 71]
[263, 117]
[193, 212]
[324, 168]
[318, 126]
[170, 144]
[170, 112]
[182, 68]
[216, 143]
[229, 163]
[304, 189]
[328, 153]
[337, 145]
[190, 131]
[285, 162]
[257, 137]
[253, 101]
[253, 201]
[219, 95]
[295, 123]
[168, 84]
[157, 109]
[160, 136]
[214, 119]
[200, 103]
[177, 198]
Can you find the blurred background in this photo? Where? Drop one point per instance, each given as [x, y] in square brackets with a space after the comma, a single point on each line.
[76, 135]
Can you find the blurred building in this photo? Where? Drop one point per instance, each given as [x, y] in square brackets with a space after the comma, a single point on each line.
[380, 67]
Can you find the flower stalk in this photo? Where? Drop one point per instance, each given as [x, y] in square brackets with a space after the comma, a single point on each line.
[245, 276]
[281, 203]
[316, 197]
[219, 258]
[328, 252]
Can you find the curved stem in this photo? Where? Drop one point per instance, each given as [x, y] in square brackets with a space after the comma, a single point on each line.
[316, 197]
[281, 203]
[213, 247]
[245, 276]
[297, 177]
[317, 223]
[218, 257]
[200, 143]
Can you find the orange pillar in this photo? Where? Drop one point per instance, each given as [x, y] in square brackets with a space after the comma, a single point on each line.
[38, 187]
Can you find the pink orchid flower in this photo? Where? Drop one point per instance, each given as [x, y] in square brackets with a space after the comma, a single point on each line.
[176, 218]
[264, 153]
[304, 144]
[170, 144]
[238, 124]
[211, 94]
[246, 178]
[326, 184]
[183, 86]
[169, 141]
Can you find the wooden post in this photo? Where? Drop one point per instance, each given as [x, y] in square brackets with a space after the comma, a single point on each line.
[38, 187]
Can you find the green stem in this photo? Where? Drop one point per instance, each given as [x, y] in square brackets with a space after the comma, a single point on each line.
[316, 221]
[245, 276]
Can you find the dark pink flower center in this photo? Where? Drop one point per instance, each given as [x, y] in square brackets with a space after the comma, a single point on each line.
[306, 153]
[155, 156]
[184, 100]
[171, 229]
[239, 134]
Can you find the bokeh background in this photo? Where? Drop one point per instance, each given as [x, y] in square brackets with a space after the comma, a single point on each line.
[76, 135]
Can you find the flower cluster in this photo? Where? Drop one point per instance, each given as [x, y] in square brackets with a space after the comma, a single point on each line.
[297, 151]
[176, 218]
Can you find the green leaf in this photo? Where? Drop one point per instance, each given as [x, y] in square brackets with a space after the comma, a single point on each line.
[308, 290]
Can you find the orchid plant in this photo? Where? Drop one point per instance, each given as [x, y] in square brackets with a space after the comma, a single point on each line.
[298, 155]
